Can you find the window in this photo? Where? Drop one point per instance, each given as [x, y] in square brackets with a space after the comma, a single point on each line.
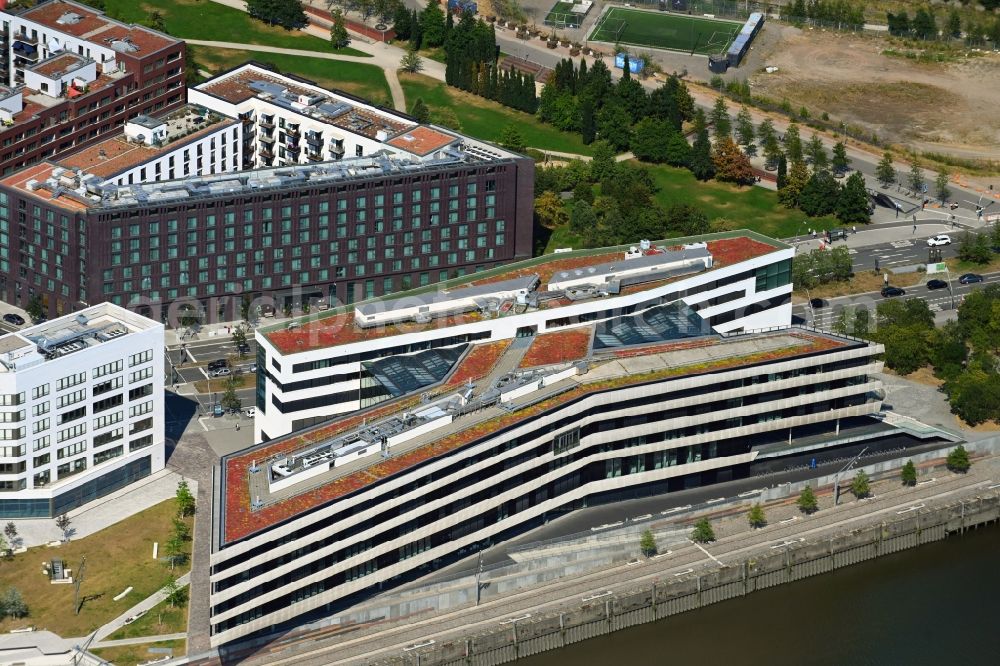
[108, 455]
[39, 391]
[107, 369]
[108, 437]
[139, 375]
[108, 403]
[144, 408]
[71, 380]
[566, 441]
[141, 443]
[70, 398]
[141, 357]
[71, 450]
[139, 426]
[69, 469]
[69, 433]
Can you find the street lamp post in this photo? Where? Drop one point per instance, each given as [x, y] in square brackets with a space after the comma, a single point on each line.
[836, 480]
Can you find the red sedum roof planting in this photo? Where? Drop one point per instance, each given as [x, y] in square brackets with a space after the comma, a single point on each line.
[561, 347]
[240, 521]
[477, 363]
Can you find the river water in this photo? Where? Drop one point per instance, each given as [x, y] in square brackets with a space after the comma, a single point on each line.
[936, 604]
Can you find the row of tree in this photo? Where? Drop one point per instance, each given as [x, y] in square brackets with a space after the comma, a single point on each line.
[839, 13]
[286, 13]
[471, 65]
[811, 269]
[922, 26]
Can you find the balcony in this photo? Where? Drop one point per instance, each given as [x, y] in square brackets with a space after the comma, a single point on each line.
[314, 157]
[293, 130]
[293, 149]
[314, 138]
[337, 148]
[266, 122]
[26, 38]
[266, 152]
[265, 138]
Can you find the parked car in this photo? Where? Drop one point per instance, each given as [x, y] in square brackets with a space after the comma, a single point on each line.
[250, 412]
[11, 318]
[218, 364]
[817, 303]
[937, 284]
[243, 348]
[970, 278]
[889, 292]
[837, 234]
[221, 372]
[940, 239]
[218, 411]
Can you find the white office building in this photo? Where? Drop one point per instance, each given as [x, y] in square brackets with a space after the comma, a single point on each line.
[81, 405]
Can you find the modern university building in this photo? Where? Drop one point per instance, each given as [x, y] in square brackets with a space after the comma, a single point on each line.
[449, 419]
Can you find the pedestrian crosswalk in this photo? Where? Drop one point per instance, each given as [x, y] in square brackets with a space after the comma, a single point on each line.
[902, 243]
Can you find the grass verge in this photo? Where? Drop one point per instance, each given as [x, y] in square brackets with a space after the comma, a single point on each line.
[485, 119]
[158, 621]
[862, 283]
[365, 81]
[218, 384]
[203, 19]
[117, 557]
[130, 655]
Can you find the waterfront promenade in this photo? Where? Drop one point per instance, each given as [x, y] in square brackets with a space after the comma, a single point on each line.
[398, 641]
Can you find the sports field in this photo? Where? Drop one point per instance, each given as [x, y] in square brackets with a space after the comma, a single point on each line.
[659, 30]
[562, 16]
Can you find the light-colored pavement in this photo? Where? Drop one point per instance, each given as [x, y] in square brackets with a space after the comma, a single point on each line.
[97, 515]
[142, 607]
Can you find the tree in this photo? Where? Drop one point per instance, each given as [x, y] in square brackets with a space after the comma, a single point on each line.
[954, 24]
[582, 219]
[650, 139]
[432, 25]
[703, 532]
[588, 121]
[941, 190]
[286, 13]
[820, 195]
[614, 125]
[420, 111]
[853, 204]
[411, 62]
[840, 162]
[154, 20]
[176, 595]
[687, 220]
[916, 178]
[10, 529]
[34, 309]
[958, 459]
[793, 143]
[769, 142]
[860, 485]
[719, 117]
[13, 603]
[798, 177]
[700, 162]
[744, 127]
[647, 544]
[181, 529]
[924, 26]
[782, 171]
[975, 248]
[602, 164]
[885, 172]
[229, 398]
[817, 153]
[756, 516]
[511, 139]
[731, 164]
[908, 474]
[338, 31]
[174, 548]
[240, 340]
[678, 150]
[185, 500]
[5, 549]
[63, 525]
[807, 501]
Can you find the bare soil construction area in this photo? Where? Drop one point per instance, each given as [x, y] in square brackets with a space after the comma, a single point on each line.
[935, 107]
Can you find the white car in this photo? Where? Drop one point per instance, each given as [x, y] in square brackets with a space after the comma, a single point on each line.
[940, 239]
[250, 412]
[221, 372]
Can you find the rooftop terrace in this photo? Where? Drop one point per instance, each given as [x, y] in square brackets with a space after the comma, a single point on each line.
[338, 326]
[274, 482]
[86, 23]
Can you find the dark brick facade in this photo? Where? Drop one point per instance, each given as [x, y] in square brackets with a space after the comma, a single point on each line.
[342, 241]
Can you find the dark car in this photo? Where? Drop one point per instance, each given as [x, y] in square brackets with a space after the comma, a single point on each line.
[889, 292]
[243, 348]
[937, 284]
[817, 303]
[11, 318]
[837, 234]
[218, 364]
[970, 278]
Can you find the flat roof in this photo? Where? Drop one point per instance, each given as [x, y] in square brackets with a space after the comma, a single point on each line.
[59, 64]
[86, 23]
[603, 371]
[337, 327]
[447, 295]
[422, 140]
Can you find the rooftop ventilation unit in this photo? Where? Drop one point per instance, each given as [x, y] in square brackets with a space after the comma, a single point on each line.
[82, 319]
[69, 18]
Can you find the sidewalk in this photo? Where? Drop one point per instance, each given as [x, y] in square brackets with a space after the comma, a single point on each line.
[107, 511]
[141, 640]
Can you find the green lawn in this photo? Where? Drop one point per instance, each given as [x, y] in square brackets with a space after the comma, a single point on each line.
[204, 19]
[160, 620]
[561, 15]
[366, 81]
[484, 119]
[754, 208]
[118, 557]
[657, 30]
[130, 655]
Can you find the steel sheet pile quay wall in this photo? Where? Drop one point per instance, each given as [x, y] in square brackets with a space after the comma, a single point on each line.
[527, 635]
